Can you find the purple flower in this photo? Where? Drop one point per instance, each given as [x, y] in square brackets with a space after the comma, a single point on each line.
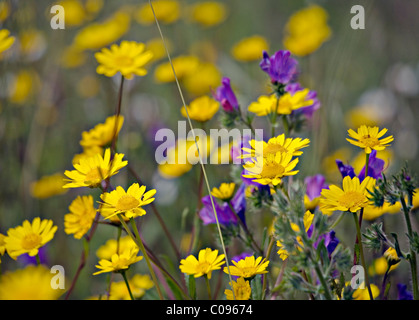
[43, 257]
[403, 294]
[224, 213]
[375, 168]
[330, 241]
[226, 96]
[315, 185]
[280, 67]
[237, 150]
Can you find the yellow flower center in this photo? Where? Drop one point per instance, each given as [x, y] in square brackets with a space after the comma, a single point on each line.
[241, 292]
[352, 199]
[31, 241]
[123, 61]
[95, 175]
[369, 141]
[272, 170]
[248, 272]
[127, 202]
[203, 267]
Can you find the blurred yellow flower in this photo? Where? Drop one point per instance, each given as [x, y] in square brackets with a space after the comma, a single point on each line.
[72, 57]
[306, 30]
[138, 285]
[126, 203]
[201, 109]
[88, 86]
[129, 58]
[248, 267]
[167, 11]
[2, 245]
[112, 246]
[81, 216]
[156, 46]
[208, 13]
[242, 290]
[361, 116]
[205, 78]
[6, 41]
[48, 186]
[270, 169]
[225, 191]
[74, 12]
[372, 212]
[368, 138]
[119, 262]
[250, 48]
[362, 293]
[22, 87]
[31, 283]
[183, 65]
[91, 171]
[101, 34]
[29, 237]
[208, 261]
[33, 44]
[4, 10]
[87, 153]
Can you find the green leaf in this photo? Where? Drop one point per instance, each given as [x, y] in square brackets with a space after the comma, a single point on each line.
[191, 284]
[256, 285]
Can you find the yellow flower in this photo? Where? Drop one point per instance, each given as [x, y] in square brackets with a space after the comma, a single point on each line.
[286, 104]
[248, 267]
[156, 46]
[129, 203]
[201, 109]
[91, 171]
[129, 58]
[23, 86]
[100, 34]
[2, 245]
[208, 13]
[138, 285]
[250, 48]
[73, 57]
[6, 41]
[271, 169]
[103, 133]
[276, 144]
[113, 246]
[307, 30]
[224, 192]
[183, 65]
[208, 261]
[242, 290]
[203, 79]
[391, 255]
[368, 138]
[4, 10]
[119, 262]
[352, 197]
[74, 12]
[31, 283]
[48, 186]
[81, 216]
[372, 212]
[362, 293]
[167, 11]
[29, 237]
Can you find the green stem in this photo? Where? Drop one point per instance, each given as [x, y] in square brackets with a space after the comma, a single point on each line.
[38, 260]
[412, 258]
[127, 284]
[361, 253]
[208, 287]
[321, 279]
[286, 125]
[268, 254]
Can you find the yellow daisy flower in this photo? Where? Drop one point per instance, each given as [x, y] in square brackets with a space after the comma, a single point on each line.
[129, 58]
[306, 30]
[242, 290]
[29, 237]
[31, 283]
[166, 11]
[81, 216]
[270, 169]
[224, 192]
[201, 109]
[183, 65]
[208, 13]
[276, 144]
[391, 255]
[48, 186]
[119, 262]
[286, 104]
[103, 133]
[248, 267]
[352, 197]
[6, 41]
[91, 171]
[368, 138]
[129, 203]
[208, 261]
[250, 48]
[138, 285]
[112, 246]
